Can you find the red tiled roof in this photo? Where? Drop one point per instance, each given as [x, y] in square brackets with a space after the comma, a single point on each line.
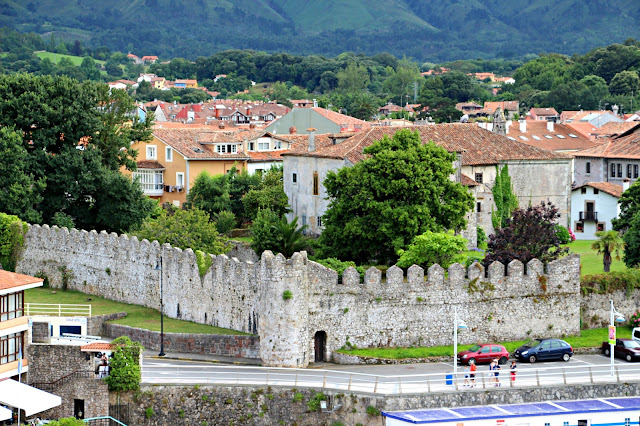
[149, 164]
[340, 119]
[583, 128]
[543, 112]
[549, 140]
[611, 128]
[266, 155]
[475, 145]
[12, 280]
[195, 143]
[608, 187]
[627, 147]
[467, 181]
[98, 347]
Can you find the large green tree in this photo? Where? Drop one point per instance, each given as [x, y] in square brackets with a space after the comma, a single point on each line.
[401, 190]
[77, 136]
[125, 371]
[629, 205]
[504, 198]
[210, 193]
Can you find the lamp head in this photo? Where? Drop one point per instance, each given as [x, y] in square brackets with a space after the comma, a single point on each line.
[462, 325]
[618, 317]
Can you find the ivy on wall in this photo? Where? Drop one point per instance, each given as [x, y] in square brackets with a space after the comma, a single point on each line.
[12, 232]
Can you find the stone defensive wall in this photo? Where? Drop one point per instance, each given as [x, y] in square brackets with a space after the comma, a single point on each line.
[319, 313]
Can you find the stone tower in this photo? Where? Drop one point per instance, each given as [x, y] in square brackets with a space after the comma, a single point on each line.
[499, 122]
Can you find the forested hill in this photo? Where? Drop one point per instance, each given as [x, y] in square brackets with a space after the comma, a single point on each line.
[433, 30]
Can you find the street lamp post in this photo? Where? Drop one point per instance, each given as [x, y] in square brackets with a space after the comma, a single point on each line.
[614, 317]
[159, 268]
[457, 324]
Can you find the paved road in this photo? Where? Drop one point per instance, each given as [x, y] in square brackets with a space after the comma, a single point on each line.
[388, 379]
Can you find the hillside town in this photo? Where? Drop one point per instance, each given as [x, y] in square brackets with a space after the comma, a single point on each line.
[354, 241]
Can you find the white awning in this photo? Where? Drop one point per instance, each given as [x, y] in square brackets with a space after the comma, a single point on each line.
[27, 398]
[5, 414]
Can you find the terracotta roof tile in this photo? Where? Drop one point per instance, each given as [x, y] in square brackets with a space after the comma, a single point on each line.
[10, 280]
[266, 155]
[98, 347]
[342, 119]
[583, 128]
[560, 139]
[467, 181]
[196, 144]
[608, 187]
[475, 145]
[543, 112]
[627, 147]
[613, 129]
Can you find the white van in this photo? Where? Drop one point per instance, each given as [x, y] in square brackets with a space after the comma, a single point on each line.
[635, 334]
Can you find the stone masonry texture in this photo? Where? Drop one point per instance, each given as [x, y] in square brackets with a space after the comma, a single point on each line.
[398, 308]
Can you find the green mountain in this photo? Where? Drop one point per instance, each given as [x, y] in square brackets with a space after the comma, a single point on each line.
[423, 29]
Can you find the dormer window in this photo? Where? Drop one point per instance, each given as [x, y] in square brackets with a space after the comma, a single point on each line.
[226, 148]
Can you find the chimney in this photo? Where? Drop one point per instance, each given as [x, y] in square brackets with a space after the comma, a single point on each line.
[614, 109]
[550, 125]
[293, 130]
[507, 125]
[625, 184]
[315, 103]
[312, 139]
[523, 125]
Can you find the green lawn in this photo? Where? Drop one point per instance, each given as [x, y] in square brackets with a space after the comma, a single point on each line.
[590, 261]
[137, 316]
[588, 339]
[55, 58]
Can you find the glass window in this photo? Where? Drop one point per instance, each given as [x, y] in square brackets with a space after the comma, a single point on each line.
[635, 171]
[619, 170]
[579, 227]
[180, 179]
[596, 191]
[169, 154]
[613, 170]
[304, 219]
[496, 349]
[319, 220]
[151, 152]
[479, 207]
[150, 180]
[485, 350]
[588, 167]
[226, 148]
[316, 184]
[277, 144]
[294, 178]
[479, 177]
[583, 190]
[10, 346]
[601, 226]
[629, 170]
[11, 306]
[263, 146]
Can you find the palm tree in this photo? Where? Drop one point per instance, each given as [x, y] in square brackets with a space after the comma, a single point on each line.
[608, 242]
[290, 238]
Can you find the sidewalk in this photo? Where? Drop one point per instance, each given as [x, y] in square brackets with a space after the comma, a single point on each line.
[153, 354]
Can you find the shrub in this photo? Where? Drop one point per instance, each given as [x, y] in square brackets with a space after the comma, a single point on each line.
[430, 248]
[314, 403]
[373, 411]
[634, 319]
[62, 220]
[12, 231]
[286, 295]
[297, 397]
[225, 222]
[605, 283]
[339, 266]
[481, 235]
[148, 413]
[563, 234]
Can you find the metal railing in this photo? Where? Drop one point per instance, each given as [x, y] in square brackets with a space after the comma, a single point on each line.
[57, 309]
[387, 385]
[588, 215]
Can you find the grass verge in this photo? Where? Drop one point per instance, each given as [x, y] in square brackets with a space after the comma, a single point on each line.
[588, 339]
[137, 316]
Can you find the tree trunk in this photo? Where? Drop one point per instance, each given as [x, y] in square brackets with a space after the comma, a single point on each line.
[606, 259]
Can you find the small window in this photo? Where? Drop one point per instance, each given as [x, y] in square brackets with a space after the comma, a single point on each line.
[613, 170]
[596, 191]
[180, 179]
[479, 177]
[583, 190]
[304, 219]
[294, 178]
[601, 226]
[579, 227]
[619, 170]
[168, 154]
[151, 152]
[479, 207]
[252, 146]
[629, 171]
[635, 171]
[316, 186]
[588, 167]
[319, 221]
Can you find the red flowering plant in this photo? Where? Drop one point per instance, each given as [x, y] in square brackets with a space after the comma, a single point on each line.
[634, 320]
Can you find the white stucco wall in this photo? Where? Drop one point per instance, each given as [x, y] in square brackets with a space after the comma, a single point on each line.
[606, 206]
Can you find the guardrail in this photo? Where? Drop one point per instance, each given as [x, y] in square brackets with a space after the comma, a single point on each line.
[57, 309]
[387, 385]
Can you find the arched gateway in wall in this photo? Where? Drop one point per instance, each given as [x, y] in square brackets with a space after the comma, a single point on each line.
[320, 342]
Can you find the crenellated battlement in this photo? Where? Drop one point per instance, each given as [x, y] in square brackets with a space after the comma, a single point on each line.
[395, 308]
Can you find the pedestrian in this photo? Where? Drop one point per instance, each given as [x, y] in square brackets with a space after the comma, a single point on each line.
[514, 370]
[496, 372]
[466, 376]
[472, 372]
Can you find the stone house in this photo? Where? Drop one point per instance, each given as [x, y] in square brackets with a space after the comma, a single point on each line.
[611, 161]
[537, 174]
[593, 205]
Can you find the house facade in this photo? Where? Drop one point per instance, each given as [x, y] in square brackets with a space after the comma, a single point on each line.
[593, 206]
[536, 174]
[320, 119]
[14, 325]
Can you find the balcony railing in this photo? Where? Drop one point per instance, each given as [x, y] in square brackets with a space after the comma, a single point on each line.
[589, 216]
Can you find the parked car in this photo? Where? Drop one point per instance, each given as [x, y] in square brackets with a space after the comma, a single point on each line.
[544, 350]
[628, 349]
[635, 334]
[484, 353]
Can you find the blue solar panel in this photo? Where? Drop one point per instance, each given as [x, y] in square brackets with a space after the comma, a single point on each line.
[625, 402]
[422, 415]
[592, 404]
[531, 408]
[478, 411]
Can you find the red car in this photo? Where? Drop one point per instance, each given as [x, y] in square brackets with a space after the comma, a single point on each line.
[484, 353]
[628, 349]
